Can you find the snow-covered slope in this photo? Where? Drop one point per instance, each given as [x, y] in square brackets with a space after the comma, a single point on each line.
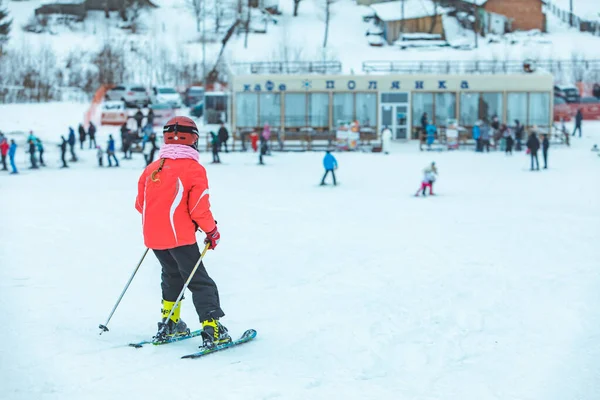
[488, 291]
[291, 38]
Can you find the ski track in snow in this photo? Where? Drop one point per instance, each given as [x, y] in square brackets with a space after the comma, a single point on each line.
[489, 291]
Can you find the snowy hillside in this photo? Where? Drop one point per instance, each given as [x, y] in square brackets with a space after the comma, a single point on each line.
[287, 37]
[488, 291]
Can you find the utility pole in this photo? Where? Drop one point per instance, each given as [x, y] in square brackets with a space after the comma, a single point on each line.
[402, 21]
[571, 13]
[475, 24]
[203, 29]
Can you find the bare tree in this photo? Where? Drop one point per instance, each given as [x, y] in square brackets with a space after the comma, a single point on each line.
[296, 5]
[247, 23]
[327, 9]
[196, 6]
[5, 25]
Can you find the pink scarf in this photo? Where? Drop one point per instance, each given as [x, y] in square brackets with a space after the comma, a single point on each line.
[178, 151]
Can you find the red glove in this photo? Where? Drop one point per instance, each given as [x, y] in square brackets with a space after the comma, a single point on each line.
[212, 238]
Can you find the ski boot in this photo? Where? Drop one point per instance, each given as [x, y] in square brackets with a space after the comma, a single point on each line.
[173, 327]
[214, 334]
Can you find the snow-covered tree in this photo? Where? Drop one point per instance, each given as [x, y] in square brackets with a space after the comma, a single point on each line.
[5, 25]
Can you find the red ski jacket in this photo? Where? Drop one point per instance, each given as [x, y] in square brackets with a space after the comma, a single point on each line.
[174, 204]
[4, 147]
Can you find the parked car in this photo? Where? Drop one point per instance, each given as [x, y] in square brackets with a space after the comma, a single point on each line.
[193, 95]
[113, 113]
[562, 110]
[132, 95]
[569, 92]
[166, 94]
[162, 113]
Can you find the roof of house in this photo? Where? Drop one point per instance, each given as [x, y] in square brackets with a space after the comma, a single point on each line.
[413, 9]
[476, 2]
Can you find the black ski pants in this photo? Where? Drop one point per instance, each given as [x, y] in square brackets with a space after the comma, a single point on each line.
[177, 264]
[325, 176]
[545, 154]
[92, 141]
[4, 163]
[534, 157]
[215, 153]
[577, 128]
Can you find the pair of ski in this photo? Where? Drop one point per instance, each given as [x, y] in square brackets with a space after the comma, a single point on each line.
[246, 337]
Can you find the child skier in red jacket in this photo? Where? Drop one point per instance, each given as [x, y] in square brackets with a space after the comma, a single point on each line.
[173, 198]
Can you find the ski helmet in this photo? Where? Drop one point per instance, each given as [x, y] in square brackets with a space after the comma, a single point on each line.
[181, 130]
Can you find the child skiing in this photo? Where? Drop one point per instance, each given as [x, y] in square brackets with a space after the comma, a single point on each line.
[173, 198]
[429, 175]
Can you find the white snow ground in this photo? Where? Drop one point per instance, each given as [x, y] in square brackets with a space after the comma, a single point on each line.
[489, 291]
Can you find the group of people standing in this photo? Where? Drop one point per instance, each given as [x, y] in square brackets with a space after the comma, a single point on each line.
[35, 148]
[508, 137]
[70, 142]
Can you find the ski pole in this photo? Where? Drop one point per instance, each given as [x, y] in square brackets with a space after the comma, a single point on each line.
[189, 279]
[103, 327]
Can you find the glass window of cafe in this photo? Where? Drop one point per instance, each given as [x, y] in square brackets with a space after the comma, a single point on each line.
[421, 103]
[295, 110]
[539, 109]
[482, 106]
[445, 108]
[366, 109]
[343, 108]
[516, 108]
[270, 109]
[318, 110]
[246, 110]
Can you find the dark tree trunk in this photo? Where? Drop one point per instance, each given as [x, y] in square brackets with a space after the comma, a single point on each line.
[296, 5]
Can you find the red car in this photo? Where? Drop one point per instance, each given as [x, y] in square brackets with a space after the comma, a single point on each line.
[562, 110]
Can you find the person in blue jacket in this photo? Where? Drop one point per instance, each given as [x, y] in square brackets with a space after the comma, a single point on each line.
[40, 149]
[431, 129]
[72, 142]
[477, 137]
[110, 151]
[12, 150]
[330, 164]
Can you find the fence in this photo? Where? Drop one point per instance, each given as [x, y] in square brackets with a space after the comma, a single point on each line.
[574, 70]
[288, 67]
[567, 17]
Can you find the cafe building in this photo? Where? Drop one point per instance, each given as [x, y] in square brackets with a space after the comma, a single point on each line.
[319, 104]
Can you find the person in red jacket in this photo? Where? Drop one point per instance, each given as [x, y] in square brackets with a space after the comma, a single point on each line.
[173, 198]
[3, 151]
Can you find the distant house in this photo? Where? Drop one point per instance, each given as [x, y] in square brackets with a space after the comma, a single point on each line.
[419, 16]
[518, 14]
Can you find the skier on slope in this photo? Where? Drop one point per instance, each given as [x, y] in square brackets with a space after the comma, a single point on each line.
[173, 199]
[429, 175]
